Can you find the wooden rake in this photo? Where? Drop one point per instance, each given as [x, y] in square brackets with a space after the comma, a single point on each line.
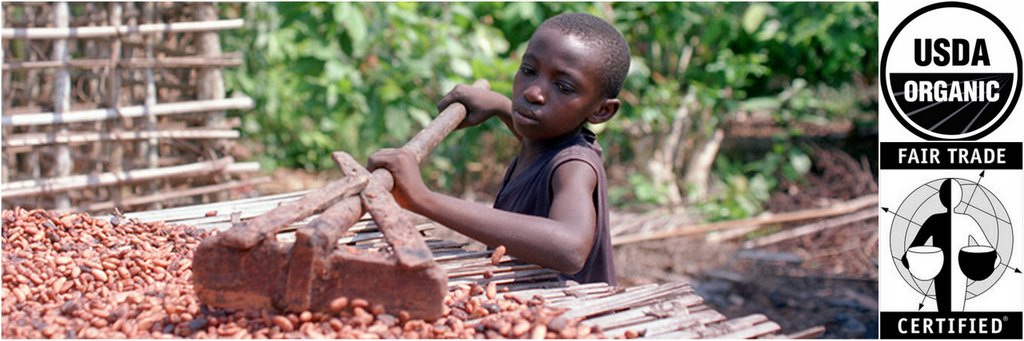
[246, 267]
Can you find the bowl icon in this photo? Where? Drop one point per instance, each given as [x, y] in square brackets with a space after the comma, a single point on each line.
[978, 262]
[925, 262]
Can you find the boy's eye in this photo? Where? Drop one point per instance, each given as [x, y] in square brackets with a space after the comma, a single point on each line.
[526, 70]
[565, 89]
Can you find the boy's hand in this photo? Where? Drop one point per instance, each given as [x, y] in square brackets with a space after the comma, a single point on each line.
[480, 104]
[402, 165]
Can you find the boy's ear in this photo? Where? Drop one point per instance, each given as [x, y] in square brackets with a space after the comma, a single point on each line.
[605, 111]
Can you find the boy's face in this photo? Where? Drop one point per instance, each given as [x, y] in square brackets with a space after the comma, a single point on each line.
[557, 87]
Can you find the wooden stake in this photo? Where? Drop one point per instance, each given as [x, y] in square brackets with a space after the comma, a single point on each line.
[150, 148]
[61, 101]
[116, 161]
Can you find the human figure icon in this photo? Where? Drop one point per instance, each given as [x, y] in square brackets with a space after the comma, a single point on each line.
[951, 232]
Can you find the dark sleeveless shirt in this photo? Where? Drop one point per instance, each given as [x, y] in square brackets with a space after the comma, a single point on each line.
[531, 193]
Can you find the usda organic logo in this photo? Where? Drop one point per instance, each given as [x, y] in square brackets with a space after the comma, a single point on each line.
[951, 79]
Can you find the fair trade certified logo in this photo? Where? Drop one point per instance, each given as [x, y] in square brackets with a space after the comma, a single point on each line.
[951, 71]
[951, 241]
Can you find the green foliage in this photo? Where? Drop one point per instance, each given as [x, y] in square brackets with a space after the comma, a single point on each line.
[360, 77]
[794, 61]
[747, 185]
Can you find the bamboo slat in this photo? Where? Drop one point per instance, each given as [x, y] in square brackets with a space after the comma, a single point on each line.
[669, 324]
[141, 200]
[751, 332]
[198, 211]
[679, 305]
[657, 310]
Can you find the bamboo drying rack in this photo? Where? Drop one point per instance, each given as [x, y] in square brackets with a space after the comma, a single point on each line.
[118, 105]
[667, 310]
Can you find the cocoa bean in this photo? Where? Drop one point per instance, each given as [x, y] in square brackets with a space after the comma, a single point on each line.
[339, 303]
[359, 303]
[520, 328]
[539, 332]
[283, 323]
[492, 290]
[498, 253]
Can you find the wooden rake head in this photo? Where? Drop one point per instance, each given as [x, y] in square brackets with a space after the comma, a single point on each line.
[246, 267]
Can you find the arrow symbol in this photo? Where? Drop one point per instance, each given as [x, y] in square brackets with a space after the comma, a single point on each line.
[1016, 270]
[976, 185]
[886, 209]
[921, 305]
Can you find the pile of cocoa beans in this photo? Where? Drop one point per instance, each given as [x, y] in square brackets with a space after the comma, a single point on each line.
[75, 276]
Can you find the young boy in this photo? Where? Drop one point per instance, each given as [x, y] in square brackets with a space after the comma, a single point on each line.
[552, 208]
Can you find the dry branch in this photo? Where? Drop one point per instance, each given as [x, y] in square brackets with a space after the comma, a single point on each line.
[804, 230]
[766, 219]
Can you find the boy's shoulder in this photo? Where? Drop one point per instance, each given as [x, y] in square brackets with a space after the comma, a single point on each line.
[585, 149]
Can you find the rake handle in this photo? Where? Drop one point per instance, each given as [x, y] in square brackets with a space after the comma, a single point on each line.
[251, 233]
[320, 237]
[332, 223]
[427, 139]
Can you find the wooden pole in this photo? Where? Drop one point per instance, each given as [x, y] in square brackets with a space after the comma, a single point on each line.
[47, 118]
[61, 101]
[116, 161]
[111, 31]
[150, 148]
[56, 185]
[20, 143]
[209, 83]
[133, 63]
[34, 81]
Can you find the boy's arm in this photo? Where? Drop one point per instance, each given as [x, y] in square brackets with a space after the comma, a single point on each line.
[480, 104]
[561, 242]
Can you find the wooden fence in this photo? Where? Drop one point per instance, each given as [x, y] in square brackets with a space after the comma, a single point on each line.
[118, 105]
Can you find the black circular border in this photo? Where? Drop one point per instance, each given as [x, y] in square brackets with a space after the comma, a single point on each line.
[885, 56]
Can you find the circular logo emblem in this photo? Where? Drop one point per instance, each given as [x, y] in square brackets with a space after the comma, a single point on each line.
[951, 71]
[955, 232]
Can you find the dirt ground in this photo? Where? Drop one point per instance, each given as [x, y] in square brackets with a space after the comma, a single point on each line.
[829, 278]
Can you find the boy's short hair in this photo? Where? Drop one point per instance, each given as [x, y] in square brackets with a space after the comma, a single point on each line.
[599, 34]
